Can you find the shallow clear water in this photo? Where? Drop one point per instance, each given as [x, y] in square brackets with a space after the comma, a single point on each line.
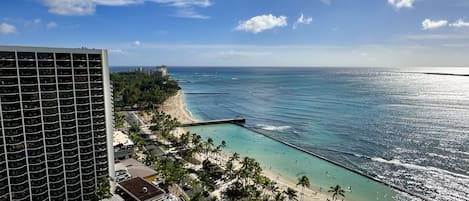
[292, 163]
[403, 126]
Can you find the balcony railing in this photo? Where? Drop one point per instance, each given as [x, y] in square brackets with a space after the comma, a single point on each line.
[79, 57]
[26, 55]
[7, 55]
[45, 56]
[8, 64]
[26, 64]
[46, 64]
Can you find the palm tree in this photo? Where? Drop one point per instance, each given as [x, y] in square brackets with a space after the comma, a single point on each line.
[336, 192]
[291, 194]
[304, 182]
[208, 146]
[279, 196]
[234, 157]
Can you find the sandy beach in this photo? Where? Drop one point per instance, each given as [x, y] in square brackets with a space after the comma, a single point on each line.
[175, 106]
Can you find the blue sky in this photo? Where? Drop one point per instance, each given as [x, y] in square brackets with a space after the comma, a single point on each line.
[375, 33]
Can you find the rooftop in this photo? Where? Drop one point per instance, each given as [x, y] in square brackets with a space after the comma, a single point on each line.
[140, 190]
[135, 168]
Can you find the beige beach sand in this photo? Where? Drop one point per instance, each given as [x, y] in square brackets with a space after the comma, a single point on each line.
[175, 106]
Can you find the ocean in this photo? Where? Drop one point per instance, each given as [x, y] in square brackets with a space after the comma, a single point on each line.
[403, 126]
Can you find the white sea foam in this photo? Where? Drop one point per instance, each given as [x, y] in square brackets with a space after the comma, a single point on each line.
[418, 167]
[272, 128]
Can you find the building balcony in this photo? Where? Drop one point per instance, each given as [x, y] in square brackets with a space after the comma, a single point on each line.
[81, 78]
[80, 64]
[84, 122]
[30, 88]
[57, 194]
[48, 88]
[26, 55]
[46, 95]
[94, 57]
[81, 86]
[54, 149]
[62, 56]
[17, 156]
[28, 80]
[17, 165]
[45, 56]
[66, 95]
[10, 98]
[49, 104]
[36, 145]
[12, 123]
[95, 64]
[17, 174]
[7, 55]
[68, 86]
[73, 176]
[67, 109]
[64, 72]
[13, 131]
[36, 152]
[46, 72]
[9, 89]
[57, 184]
[50, 111]
[82, 93]
[8, 72]
[30, 97]
[94, 78]
[27, 64]
[36, 174]
[98, 86]
[54, 157]
[83, 107]
[79, 57]
[7, 64]
[46, 64]
[32, 121]
[96, 72]
[12, 115]
[8, 81]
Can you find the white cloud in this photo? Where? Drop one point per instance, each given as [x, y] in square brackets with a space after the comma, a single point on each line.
[401, 3]
[88, 7]
[52, 25]
[430, 24]
[6, 28]
[136, 43]
[261, 23]
[32, 23]
[302, 20]
[71, 7]
[459, 23]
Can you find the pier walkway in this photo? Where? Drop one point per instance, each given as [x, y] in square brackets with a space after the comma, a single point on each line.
[236, 120]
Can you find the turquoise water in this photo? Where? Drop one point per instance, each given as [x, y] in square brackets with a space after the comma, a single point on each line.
[292, 163]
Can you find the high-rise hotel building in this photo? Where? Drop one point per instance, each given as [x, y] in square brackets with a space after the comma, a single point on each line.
[55, 123]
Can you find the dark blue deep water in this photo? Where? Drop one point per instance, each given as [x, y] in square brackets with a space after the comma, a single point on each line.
[401, 125]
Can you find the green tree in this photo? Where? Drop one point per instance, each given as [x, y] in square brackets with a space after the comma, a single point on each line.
[119, 120]
[291, 194]
[304, 182]
[337, 192]
[103, 189]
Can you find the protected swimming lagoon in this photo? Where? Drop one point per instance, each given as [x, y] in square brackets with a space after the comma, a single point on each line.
[293, 163]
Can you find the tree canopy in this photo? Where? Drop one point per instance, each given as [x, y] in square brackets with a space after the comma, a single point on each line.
[142, 90]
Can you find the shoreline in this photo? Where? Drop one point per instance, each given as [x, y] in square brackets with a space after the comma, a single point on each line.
[176, 107]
